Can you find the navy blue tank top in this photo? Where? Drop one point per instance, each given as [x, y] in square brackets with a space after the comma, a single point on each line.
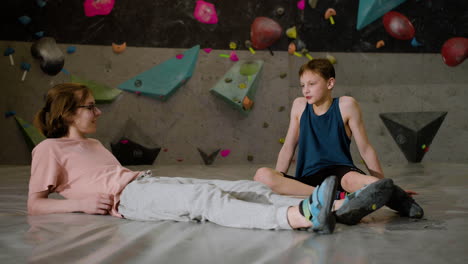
[323, 141]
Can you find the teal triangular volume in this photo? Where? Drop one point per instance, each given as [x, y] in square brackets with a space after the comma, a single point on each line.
[230, 87]
[31, 134]
[370, 10]
[163, 80]
[413, 131]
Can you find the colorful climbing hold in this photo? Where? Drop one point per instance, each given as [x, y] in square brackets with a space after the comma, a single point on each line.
[9, 52]
[24, 20]
[301, 4]
[225, 153]
[138, 83]
[71, 49]
[380, 44]
[119, 48]
[205, 12]
[25, 67]
[329, 15]
[331, 59]
[248, 44]
[279, 11]
[264, 32]
[10, 113]
[233, 56]
[232, 45]
[98, 7]
[291, 32]
[247, 103]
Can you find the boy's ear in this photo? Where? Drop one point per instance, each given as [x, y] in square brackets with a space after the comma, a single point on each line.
[331, 83]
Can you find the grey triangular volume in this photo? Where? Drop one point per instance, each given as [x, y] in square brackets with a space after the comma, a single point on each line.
[413, 120]
[208, 159]
[413, 131]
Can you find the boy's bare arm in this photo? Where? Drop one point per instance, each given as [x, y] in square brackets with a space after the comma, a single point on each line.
[39, 203]
[356, 124]
[289, 147]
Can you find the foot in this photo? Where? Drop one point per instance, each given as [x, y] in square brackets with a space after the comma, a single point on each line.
[317, 208]
[404, 204]
[364, 201]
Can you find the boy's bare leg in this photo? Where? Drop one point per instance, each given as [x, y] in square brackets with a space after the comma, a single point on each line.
[353, 181]
[296, 220]
[280, 184]
[337, 204]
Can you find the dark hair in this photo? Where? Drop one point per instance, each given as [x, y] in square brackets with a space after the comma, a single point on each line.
[323, 67]
[61, 104]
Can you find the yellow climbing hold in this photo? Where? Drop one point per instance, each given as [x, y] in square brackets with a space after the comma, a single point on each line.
[297, 54]
[281, 140]
[374, 206]
[332, 59]
[242, 86]
[232, 45]
[291, 32]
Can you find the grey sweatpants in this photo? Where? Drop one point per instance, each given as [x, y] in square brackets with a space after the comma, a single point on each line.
[242, 204]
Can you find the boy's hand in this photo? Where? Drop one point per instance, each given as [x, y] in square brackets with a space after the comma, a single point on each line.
[97, 204]
[411, 193]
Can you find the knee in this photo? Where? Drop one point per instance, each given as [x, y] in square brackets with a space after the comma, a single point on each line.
[265, 176]
[353, 181]
[346, 182]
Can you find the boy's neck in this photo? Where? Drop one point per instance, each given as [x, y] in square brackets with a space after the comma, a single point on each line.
[322, 107]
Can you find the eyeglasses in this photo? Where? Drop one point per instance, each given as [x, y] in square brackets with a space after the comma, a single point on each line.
[91, 107]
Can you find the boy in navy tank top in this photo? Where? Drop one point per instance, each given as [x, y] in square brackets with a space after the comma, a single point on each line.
[322, 127]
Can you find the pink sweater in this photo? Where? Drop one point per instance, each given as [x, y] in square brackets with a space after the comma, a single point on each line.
[75, 168]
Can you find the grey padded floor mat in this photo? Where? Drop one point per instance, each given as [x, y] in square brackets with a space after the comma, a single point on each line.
[382, 237]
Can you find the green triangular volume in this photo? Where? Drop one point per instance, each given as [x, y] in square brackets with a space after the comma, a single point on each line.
[31, 134]
[102, 93]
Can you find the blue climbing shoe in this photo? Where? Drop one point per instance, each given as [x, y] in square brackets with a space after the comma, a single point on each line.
[318, 206]
[364, 201]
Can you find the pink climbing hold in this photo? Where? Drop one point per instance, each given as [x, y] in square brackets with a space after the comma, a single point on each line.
[205, 12]
[98, 7]
[179, 56]
[225, 152]
[301, 4]
[233, 56]
[124, 141]
[207, 50]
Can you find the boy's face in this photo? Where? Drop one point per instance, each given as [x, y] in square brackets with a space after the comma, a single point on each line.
[314, 87]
